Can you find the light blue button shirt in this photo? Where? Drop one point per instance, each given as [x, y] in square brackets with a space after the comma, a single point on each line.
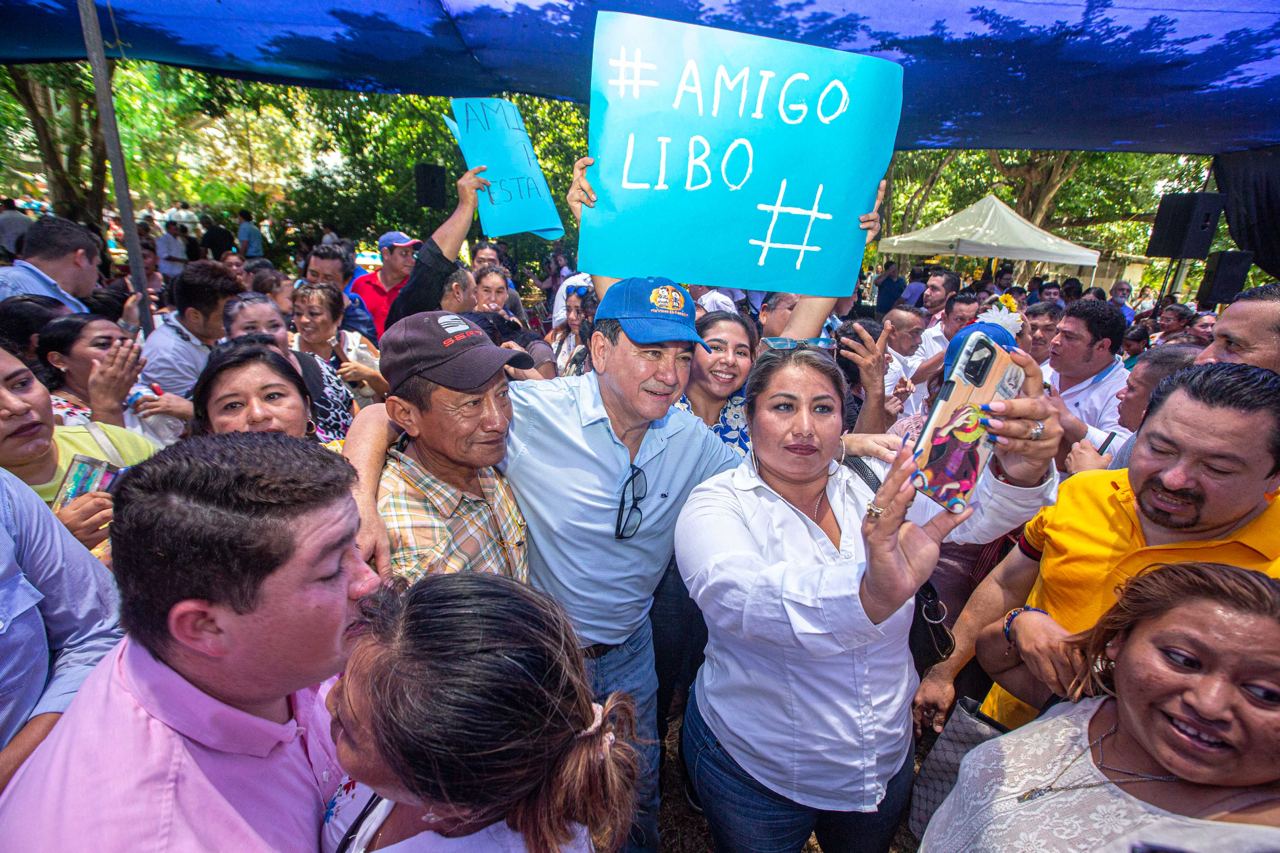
[23, 278]
[58, 609]
[567, 469]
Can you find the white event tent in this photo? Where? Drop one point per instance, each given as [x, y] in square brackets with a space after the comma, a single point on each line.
[989, 228]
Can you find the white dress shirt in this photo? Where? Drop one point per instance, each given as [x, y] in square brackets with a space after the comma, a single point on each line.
[1094, 402]
[799, 686]
[899, 366]
[167, 246]
[932, 342]
[714, 300]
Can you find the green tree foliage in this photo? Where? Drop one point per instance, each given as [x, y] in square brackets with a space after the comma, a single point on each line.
[185, 134]
[1105, 200]
[367, 187]
[55, 129]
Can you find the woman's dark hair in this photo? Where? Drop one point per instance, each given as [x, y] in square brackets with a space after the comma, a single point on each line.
[238, 303]
[1094, 293]
[326, 295]
[706, 321]
[59, 335]
[1153, 593]
[23, 316]
[108, 302]
[479, 699]
[773, 360]
[491, 269]
[1138, 334]
[235, 353]
[266, 281]
[590, 302]
[874, 328]
[1184, 313]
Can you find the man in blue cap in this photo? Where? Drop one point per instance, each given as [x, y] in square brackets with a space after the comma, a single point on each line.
[601, 537]
[377, 290]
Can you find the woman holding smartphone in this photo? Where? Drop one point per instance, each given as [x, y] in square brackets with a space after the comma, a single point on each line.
[799, 720]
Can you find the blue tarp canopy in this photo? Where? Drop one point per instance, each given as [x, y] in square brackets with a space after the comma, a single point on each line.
[1186, 76]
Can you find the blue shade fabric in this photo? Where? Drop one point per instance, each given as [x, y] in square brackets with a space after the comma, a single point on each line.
[1190, 76]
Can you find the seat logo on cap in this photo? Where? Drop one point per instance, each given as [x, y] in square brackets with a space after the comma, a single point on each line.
[453, 324]
[667, 299]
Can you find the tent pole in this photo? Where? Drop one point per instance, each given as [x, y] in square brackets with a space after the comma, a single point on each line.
[1093, 275]
[115, 155]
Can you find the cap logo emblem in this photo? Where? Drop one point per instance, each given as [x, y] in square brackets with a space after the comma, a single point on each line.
[453, 324]
[667, 299]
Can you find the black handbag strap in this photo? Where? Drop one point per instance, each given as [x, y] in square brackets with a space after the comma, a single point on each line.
[352, 831]
[859, 466]
[927, 601]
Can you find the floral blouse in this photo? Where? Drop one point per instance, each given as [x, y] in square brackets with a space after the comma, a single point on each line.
[732, 425]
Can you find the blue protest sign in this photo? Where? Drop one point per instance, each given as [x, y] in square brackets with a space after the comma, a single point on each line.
[491, 133]
[733, 160]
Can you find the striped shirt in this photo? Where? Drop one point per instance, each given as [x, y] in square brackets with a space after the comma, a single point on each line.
[435, 527]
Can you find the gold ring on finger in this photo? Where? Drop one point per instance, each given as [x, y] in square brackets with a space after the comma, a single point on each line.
[874, 511]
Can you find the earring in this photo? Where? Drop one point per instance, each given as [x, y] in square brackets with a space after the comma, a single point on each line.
[311, 428]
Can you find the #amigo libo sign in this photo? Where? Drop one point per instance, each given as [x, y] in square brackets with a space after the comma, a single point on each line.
[733, 160]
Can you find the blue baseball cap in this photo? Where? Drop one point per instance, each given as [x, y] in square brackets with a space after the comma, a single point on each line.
[651, 311]
[999, 334]
[396, 239]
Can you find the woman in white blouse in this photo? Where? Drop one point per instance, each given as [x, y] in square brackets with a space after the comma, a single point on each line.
[800, 721]
[1173, 742]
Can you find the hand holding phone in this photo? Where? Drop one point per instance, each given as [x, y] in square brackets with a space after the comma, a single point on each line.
[954, 447]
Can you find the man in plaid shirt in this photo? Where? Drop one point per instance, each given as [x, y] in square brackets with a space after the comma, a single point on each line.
[445, 507]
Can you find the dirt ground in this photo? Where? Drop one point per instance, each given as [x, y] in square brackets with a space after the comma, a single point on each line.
[685, 831]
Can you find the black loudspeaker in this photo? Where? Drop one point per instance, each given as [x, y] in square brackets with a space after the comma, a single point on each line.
[1224, 275]
[1185, 225]
[428, 179]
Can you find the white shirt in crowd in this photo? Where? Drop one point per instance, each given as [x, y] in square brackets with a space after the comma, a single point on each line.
[932, 342]
[1094, 402]
[899, 366]
[810, 697]
[169, 246]
[714, 300]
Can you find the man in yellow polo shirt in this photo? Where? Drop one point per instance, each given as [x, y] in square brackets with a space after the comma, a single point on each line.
[1199, 486]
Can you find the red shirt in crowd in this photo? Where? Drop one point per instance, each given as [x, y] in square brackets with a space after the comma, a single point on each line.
[376, 298]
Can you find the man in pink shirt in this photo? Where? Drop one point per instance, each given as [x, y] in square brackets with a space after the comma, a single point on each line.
[379, 289]
[206, 728]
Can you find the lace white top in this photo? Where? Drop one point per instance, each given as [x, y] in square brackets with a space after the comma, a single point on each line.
[983, 813]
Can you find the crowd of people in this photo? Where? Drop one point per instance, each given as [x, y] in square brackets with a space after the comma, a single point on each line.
[397, 559]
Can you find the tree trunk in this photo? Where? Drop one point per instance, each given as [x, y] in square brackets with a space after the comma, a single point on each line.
[1038, 179]
[915, 204]
[886, 209]
[64, 120]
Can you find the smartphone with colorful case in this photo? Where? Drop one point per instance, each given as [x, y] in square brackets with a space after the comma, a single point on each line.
[954, 447]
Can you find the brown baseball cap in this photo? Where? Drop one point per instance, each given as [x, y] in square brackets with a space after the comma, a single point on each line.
[445, 348]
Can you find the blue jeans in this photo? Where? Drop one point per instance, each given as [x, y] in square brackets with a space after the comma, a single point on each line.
[629, 669]
[679, 640]
[746, 817]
